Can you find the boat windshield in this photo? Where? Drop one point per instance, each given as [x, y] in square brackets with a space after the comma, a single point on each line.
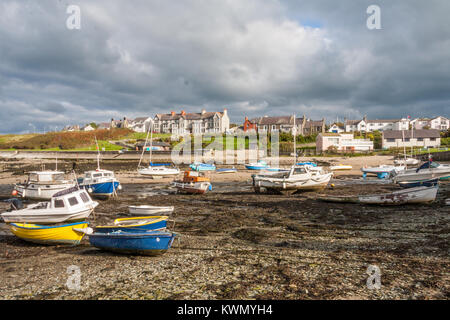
[299, 170]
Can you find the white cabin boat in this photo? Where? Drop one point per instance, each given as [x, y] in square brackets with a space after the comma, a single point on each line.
[299, 177]
[42, 185]
[100, 182]
[158, 171]
[426, 171]
[67, 205]
[407, 161]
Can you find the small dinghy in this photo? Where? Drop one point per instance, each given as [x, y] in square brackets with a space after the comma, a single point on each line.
[405, 196]
[67, 205]
[136, 224]
[63, 234]
[150, 243]
[146, 210]
[340, 167]
[226, 170]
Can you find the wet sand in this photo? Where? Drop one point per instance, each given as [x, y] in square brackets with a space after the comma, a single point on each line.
[235, 244]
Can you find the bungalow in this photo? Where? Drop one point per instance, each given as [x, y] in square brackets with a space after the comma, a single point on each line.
[365, 125]
[342, 142]
[411, 138]
[104, 126]
[72, 128]
[141, 124]
[87, 127]
[336, 128]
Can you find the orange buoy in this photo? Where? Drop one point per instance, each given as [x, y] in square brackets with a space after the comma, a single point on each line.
[14, 192]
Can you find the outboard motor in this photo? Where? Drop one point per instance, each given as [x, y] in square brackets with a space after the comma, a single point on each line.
[16, 204]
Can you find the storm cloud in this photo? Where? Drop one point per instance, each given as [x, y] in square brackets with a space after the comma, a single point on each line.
[254, 57]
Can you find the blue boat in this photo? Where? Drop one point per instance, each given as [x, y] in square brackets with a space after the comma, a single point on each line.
[145, 243]
[260, 165]
[99, 182]
[419, 183]
[307, 163]
[135, 224]
[226, 170]
[198, 166]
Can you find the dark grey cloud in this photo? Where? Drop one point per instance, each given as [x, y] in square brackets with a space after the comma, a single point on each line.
[255, 57]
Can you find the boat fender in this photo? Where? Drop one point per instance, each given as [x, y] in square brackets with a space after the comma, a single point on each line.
[14, 192]
[119, 187]
[90, 190]
[210, 187]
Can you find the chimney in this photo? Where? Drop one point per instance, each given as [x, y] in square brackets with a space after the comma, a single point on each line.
[203, 111]
[183, 113]
[172, 113]
[225, 111]
[246, 118]
[365, 118]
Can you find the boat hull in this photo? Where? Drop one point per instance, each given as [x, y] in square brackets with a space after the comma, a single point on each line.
[150, 243]
[40, 191]
[420, 183]
[49, 235]
[309, 183]
[193, 187]
[135, 225]
[148, 210]
[102, 189]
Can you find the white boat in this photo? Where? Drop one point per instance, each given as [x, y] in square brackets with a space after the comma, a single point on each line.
[340, 167]
[404, 196]
[158, 171]
[299, 177]
[154, 170]
[426, 171]
[407, 161]
[382, 171]
[67, 205]
[226, 170]
[149, 210]
[193, 182]
[42, 185]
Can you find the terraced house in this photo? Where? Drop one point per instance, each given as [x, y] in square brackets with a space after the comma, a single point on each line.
[366, 125]
[192, 123]
[303, 125]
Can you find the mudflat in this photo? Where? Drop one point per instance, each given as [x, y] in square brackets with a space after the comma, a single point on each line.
[235, 244]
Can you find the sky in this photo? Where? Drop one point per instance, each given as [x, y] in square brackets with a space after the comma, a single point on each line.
[254, 57]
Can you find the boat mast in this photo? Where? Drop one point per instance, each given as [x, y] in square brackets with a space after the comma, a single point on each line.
[151, 142]
[295, 142]
[404, 148]
[145, 144]
[98, 153]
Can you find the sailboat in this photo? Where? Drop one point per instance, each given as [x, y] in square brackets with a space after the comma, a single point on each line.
[155, 170]
[407, 161]
[100, 182]
[298, 177]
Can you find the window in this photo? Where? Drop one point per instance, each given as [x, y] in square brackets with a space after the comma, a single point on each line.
[432, 139]
[84, 197]
[419, 139]
[59, 203]
[406, 139]
[390, 140]
[73, 201]
[96, 175]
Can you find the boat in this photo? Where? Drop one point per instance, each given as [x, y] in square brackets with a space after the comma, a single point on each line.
[272, 169]
[419, 183]
[61, 234]
[146, 243]
[42, 185]
[146, 210]
[383, 171]
[100, 182]
[199, 166]
[404, 196]
[307, 163]
[340, 167]
[193, 183]
[426, 171]
[135, 224]
[297, 178]
[154, 170]
[407, 161]
[226, 170]
[259, 165]
[67, 205]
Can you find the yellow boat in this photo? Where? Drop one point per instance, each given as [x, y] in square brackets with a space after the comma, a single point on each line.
[61, 234]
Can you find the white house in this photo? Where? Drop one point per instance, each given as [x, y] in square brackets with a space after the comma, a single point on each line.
[140, 124]
[87, 127]
[342, 142]
[336, 128]
[438, 123]
[366, 125]
[411, 138]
